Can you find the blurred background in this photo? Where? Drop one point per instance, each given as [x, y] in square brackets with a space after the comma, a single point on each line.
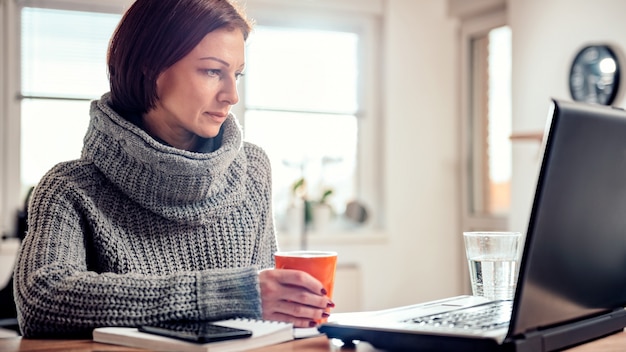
[392, 125]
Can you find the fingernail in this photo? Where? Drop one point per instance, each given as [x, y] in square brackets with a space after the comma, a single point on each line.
[330, 305]
[325, 315]
[312, 323]
[324, 291]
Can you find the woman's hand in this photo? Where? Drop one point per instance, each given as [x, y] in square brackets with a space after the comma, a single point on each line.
[293, 296]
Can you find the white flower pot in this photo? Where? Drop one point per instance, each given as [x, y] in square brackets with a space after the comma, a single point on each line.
[321, 216]
[294, 219]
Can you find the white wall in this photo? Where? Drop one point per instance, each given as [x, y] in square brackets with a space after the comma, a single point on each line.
[422, 258]
[421, 153]
[546, 37]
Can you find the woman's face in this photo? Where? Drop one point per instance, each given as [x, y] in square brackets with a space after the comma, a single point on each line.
[196, 93]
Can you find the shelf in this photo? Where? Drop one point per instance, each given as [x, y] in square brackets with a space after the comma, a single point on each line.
[527, 136]
[338, 238]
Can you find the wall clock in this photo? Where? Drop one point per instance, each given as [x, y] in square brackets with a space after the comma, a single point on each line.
[595, 75]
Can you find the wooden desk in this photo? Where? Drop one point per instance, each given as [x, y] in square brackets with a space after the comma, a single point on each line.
[613, 343]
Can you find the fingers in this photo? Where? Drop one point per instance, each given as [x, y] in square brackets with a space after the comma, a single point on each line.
[293, 296]
[300, 279]
[297, 322]
[301, 296]
[293, 285]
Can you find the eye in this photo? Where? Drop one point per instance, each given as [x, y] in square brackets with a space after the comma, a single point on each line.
[238, 75]
[213, 72]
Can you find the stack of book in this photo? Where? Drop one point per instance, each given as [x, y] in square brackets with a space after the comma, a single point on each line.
[264, 333]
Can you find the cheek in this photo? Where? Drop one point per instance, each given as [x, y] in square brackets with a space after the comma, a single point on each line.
[163, 86]
[188, 92]
[201, 90]
[173, 84]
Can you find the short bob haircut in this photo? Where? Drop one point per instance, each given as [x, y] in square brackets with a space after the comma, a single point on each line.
[155, 34]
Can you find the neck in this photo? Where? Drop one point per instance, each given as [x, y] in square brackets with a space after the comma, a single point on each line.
[160, 131]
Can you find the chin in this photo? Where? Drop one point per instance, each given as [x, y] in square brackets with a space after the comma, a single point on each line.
[209, 133]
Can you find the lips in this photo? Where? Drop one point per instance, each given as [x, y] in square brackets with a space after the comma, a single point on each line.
[218, 116]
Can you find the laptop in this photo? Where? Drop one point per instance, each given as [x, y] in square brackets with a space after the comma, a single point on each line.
[572, 280]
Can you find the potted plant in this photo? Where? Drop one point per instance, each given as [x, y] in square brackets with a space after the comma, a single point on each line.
[296, 210]
[321, 211]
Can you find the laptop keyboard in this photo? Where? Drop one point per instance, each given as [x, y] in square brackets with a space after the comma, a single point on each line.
[492, 315]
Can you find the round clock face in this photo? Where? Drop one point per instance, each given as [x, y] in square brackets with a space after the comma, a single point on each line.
[595, 75]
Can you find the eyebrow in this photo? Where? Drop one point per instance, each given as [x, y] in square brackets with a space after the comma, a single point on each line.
[218, 60]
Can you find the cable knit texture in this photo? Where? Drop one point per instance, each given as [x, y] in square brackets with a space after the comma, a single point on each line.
[136, 232]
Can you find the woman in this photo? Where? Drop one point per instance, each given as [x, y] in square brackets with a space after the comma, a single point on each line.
[167, 214]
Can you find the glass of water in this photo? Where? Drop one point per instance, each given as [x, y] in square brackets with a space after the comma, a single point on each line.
[493, 260]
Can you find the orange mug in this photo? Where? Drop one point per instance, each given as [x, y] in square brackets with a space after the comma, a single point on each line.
[319, 264]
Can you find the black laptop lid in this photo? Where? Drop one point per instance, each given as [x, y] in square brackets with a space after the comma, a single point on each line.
[575, 252]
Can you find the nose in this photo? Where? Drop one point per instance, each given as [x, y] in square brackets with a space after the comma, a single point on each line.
[228, 93]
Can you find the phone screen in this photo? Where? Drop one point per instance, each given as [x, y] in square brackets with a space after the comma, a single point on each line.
[195, 331]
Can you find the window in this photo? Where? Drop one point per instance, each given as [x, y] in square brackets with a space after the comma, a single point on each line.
[301, 106]
[491, 171]
[311, 99]
[309, 96]
[54, 54]
[63, 60]
[486, 122]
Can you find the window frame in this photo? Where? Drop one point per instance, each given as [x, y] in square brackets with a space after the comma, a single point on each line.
[472, 27]
[366, 23]
[9, 146]
[364, 15]
[11, 197]
[3, 106]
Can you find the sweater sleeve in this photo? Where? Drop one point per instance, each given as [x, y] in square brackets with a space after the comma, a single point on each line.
[56, 294]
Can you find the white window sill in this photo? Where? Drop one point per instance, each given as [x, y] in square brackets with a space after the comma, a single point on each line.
[350, 237]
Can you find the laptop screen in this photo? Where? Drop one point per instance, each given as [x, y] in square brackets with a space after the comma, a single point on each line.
[575, 252]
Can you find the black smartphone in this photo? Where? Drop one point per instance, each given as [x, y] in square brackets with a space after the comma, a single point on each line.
[195, 331]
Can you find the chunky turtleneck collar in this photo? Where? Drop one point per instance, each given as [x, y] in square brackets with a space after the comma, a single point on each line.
[207, 145]
[177, 184]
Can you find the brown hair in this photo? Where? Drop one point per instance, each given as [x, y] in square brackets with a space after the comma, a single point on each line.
[152, 36]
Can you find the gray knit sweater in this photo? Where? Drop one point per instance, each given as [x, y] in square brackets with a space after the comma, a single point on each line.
[136, 232]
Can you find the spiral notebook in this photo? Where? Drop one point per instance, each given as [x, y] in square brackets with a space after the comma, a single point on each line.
[264, 333]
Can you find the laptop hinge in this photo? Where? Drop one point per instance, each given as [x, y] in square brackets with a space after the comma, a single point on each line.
[571, 334]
